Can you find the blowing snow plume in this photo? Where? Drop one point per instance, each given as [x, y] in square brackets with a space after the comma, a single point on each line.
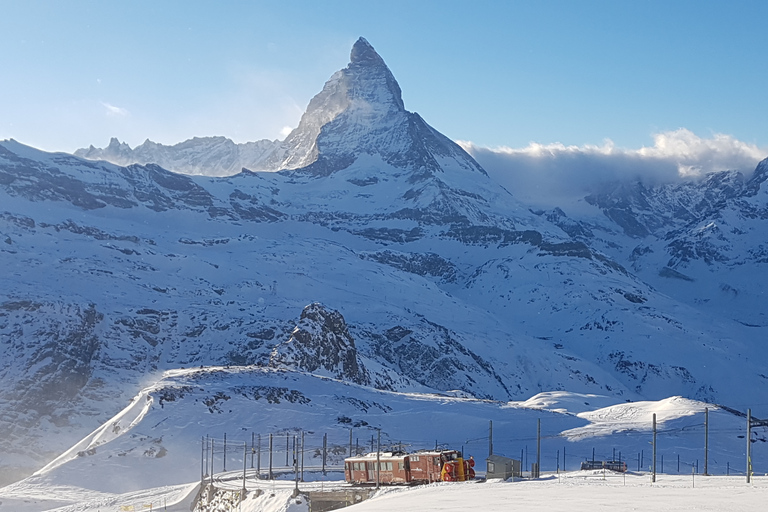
[545, 174]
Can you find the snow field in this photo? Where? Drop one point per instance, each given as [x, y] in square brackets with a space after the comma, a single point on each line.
[580, 491]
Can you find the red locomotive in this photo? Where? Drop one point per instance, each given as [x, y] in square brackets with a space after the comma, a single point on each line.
[409, 468]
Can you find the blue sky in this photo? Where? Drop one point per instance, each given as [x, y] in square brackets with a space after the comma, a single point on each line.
[503, 73]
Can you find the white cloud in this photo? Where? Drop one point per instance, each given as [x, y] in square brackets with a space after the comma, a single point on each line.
[115, 111]
[542, 172]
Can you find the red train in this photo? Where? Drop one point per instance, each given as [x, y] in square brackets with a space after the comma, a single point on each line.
[409, 468]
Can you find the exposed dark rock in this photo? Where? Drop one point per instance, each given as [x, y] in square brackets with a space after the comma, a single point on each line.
[429, 264]
[321, 342]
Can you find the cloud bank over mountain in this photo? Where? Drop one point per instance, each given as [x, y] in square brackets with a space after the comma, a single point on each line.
[543, 173]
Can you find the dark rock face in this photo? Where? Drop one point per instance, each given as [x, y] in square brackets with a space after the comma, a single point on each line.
[321, 342]
[434, 357]
[429, 264]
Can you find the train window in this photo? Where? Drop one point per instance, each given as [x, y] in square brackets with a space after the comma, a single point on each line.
[415, 458]
[436, 461]
[491, 468]
[371, 466]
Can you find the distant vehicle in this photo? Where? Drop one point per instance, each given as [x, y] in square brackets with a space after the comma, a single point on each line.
[613, 465]
[409, 468]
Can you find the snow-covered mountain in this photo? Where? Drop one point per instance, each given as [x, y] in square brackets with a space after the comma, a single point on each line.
[207, 156]
[701, 241]
[379, 253]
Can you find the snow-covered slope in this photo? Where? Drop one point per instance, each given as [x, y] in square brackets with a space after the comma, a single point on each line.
[162, 439]
[390, 245]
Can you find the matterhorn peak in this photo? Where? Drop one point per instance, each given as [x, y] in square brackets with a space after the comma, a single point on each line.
[360, 111]
[363, 53]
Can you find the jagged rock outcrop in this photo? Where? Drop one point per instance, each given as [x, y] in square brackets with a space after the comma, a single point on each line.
[321, 343]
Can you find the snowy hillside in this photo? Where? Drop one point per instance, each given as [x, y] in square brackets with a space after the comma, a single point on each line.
[381, 254]
[161, 442]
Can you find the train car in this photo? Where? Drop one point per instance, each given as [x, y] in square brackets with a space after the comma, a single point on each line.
[408, 468]
[394, 468]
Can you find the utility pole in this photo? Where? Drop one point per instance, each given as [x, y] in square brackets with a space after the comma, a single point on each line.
[538, 447]
[270, 457]
[350, 442]
[212, 441]
[202, 459]
[225, 451]
[258, 457]
[207, 454]
[378, 459]
[749, 445]
[245, 459]
[490, 437]
[302, 455]
[706, 439]
[653, 478]
[287, 447]
[325, 450]
[253, 450]
[295, 469]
